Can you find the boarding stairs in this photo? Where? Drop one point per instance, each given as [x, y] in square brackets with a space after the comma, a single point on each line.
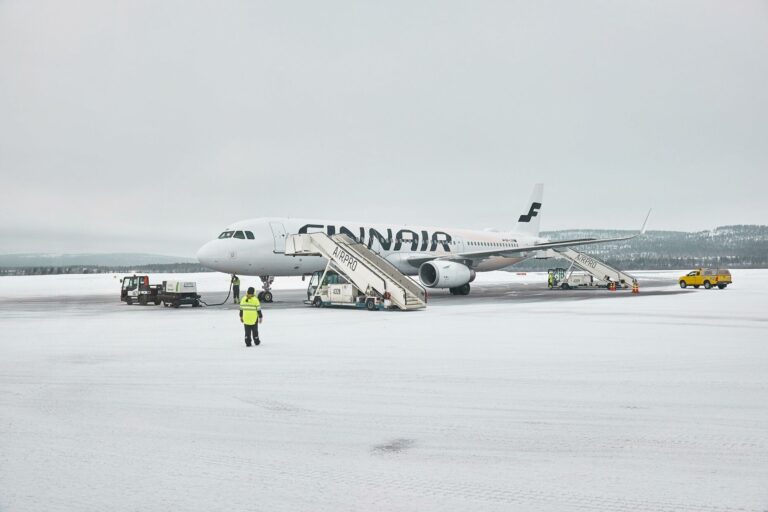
[598, 269]
[360, 266]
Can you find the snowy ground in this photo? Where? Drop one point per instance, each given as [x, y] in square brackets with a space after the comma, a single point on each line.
[515, 398]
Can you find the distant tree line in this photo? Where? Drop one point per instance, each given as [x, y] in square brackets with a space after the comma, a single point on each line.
[742, 246]
[161, 268]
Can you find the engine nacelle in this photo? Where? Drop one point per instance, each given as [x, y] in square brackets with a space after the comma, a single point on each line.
[445, 274]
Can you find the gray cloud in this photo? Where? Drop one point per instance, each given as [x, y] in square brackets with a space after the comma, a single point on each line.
[148, 127]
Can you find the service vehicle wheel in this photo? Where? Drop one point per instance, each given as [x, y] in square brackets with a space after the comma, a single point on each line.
[176, 304]
[565, 286]
[129, 300]
[196, 304]
[707, 285]
[370, 304]
[266, 296]
[157, 302]
[722, 286]
[696, 286]
[683, 284]
[143, 300]
[317, 302]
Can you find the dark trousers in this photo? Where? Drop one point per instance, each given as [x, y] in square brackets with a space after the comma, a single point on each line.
[251, 333]
[235, 292]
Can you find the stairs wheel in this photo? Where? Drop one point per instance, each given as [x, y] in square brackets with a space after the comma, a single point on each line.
[370, 304]
[317, 302]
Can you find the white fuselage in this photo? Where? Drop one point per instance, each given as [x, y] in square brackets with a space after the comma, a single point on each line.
[256, 247]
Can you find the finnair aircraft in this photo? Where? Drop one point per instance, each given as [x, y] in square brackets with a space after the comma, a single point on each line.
[441, 257]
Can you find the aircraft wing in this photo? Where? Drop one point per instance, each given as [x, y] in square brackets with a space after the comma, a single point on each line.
[478, 256]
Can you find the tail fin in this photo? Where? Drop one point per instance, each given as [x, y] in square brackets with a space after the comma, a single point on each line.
[529, 221]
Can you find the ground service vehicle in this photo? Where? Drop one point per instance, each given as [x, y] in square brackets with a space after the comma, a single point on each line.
[331, 289]
[170, 293]
[177, 293]
[137, 289]
[706, 277]
[568, 279]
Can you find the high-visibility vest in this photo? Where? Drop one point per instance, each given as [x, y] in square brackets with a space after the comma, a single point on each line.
[236, 281]
[250, 308]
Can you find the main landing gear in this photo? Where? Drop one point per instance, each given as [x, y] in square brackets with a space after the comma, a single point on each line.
[460, 290]
[266, 283]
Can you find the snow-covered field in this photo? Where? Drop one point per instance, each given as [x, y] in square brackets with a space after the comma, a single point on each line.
[605, 402]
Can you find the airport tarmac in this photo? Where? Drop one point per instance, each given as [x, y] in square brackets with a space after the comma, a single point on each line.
[483, 292]
[515, 397]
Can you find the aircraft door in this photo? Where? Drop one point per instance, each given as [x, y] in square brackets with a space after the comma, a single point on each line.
[279, 233]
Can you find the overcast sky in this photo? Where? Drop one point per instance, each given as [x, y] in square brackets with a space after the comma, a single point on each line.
[149, 126]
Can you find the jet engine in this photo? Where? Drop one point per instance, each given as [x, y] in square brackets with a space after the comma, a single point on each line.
[445, 274]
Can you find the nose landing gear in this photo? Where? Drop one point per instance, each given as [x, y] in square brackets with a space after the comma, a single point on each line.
[266, 283]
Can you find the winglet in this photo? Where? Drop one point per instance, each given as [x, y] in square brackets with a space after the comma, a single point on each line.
[645, 222]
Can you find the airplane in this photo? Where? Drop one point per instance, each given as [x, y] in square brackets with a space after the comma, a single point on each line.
[440, 257]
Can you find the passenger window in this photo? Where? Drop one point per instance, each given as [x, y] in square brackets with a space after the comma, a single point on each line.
[249, 235]
[240, 235]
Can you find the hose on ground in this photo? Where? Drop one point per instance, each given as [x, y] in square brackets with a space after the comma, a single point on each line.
[220, 303]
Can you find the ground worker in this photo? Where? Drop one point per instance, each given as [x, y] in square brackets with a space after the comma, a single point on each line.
[551, 279]
[235, 289]
[251, 317]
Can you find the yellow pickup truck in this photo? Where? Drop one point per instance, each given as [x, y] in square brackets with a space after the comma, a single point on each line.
[708, 277]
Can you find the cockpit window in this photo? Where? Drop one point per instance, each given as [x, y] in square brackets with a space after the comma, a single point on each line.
[227, 234]
[240, 235]
[249, 235]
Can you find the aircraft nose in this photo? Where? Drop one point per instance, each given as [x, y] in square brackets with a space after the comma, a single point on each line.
[206, 255]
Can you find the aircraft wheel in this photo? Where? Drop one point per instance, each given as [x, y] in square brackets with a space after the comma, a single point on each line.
[266, 296]
[683, 284]
[464, 290]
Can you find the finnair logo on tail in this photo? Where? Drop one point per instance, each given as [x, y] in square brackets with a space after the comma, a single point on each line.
[534, 211]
